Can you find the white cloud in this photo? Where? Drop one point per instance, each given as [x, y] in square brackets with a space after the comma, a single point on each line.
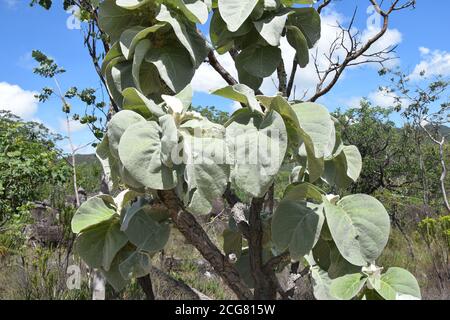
[379, 98]
[17, 100]
[10, 3]
[424, 51]
[75, 126]
[382, 99]
[434, 63]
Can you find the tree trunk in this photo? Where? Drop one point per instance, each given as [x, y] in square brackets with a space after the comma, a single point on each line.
[98, 285]
[443, 174]
[146, 285]
[265, 288]
[196, 235]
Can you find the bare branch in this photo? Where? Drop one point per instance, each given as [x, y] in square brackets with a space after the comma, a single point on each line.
[357, 53]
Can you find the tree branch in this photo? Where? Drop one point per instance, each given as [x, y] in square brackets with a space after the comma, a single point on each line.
[355, 50]
[196, 235]
[220, 69]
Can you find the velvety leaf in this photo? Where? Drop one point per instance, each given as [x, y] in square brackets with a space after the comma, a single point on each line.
[92, 212]
[258, 145]
[117, 126]
[347, 287]
[235, 12]
[296, 225]
[140, 153]
[360, 227]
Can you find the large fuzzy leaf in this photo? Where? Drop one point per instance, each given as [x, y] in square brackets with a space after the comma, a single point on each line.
[92, 212]
[260, 62]
[140, 153]
[346, 287]
[188, 36]
[398, 284]
[174, 66]
[235, 12]
[205, 169]
[240, 93]
[344, 168]
[360, 227]
[117, 126]
[114, 19]
[308, 21]
[258, 145]
[271, 27]
[146, 233]
[98, 245]
[296, 226]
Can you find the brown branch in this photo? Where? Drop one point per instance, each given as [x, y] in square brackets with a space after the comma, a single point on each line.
[292, 78]
[323, 5]
[220, 69]
[355, 51]
[146, 285]
[265, 285]
[196, 235]
[282, 78]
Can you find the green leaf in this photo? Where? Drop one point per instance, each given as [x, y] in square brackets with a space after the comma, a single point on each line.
[114, 20]
[98, 245]
[316, 122]
[169, 138]
[221, 37]
[205, 168]
[271, 27]
[242, 94]
[137, 102]
[347, 287]
[321, 284]
[188, 36]
[132, 36]
[399, 284]
[137, 265]
[117, 126]
[344, 168]
[174, 66]
[308, 21]
[195, 10]
[360, 227]
[92, 212]
[131, 4]
[109, 164]
[303, 191]
[259, 61]
[146, 233]
[298, 41]
[145, 75]
[235, 12]
[258, 145]
[296, 225]
[338, 265]
[113, 275]
[140, 153]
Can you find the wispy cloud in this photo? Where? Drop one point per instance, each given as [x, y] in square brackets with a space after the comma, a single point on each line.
[17, 100]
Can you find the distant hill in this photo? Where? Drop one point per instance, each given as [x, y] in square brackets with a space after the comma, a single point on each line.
[443, 130]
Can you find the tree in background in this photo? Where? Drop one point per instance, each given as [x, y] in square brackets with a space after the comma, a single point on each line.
[425, 104]
[30, 164]
[47, 68]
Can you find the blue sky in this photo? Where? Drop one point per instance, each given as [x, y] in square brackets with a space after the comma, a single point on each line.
[421, 36]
